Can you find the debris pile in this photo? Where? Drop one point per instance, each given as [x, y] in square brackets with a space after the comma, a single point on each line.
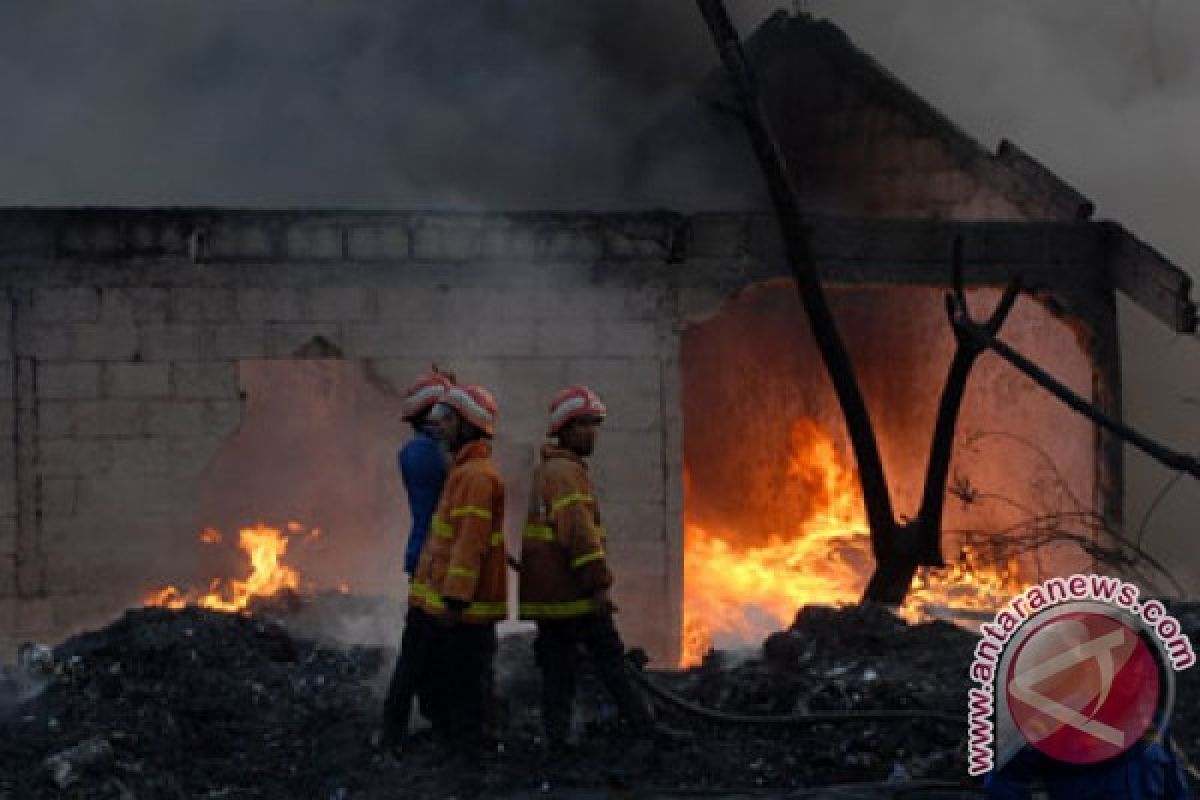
[201, 704]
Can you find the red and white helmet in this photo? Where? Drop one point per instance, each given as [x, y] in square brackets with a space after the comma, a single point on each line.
[476, 405]
[571, 403]
[428, 390]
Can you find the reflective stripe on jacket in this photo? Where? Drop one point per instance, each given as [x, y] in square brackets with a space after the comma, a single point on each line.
[563, 558]
[463, 556]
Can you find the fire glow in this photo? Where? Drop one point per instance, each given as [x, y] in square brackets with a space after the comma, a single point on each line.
[738, 595]
[265, 547]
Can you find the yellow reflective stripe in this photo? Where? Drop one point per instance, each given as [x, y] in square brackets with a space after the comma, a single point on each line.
[427, 594]
[497, 538]
[482, 608]
[541, 532]
[571, 499]
[441, 529]
[579, 562]
[460, 572]
[567, 608]
[471, 511]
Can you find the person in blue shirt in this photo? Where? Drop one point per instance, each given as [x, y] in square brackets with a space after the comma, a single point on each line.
[1150, 770]
[422, 463]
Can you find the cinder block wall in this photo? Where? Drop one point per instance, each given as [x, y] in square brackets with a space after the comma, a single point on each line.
[124, 331]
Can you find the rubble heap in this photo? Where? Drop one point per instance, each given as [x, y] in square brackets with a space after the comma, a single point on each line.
[198, 704]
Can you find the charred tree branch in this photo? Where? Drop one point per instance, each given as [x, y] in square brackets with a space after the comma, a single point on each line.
[942, 444]
[964, 326]
[797, 245]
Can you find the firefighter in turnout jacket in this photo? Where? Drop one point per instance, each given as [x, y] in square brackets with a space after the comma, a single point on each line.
[461, 574]
[565, 576]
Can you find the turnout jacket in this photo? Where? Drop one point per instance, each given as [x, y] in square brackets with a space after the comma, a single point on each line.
[463, 555]
[563, 559]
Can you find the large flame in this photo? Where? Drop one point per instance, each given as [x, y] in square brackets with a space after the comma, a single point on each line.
[818, 552]
[265, 547]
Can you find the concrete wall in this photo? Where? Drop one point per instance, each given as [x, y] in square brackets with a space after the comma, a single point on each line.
[124, 331]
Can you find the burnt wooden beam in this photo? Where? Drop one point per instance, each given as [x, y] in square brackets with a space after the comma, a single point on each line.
[1150, 280]
[897, 252]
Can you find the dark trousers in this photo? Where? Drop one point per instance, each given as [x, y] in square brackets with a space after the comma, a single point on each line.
[557, 650]
[414, 677]
[463, 680]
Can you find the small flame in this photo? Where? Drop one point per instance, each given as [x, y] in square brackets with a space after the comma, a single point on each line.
[737, 595]
[265, 546]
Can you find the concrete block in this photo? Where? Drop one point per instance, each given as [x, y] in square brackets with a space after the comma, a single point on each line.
[55, 418]
[35, 617]
[66, 305]
[105, 341]
[146, 455]
[269, 305]
[222, 417]
[338, 304]
[237, 242]
[7, 422]
[202, 305]
[8, 539]
[576, 338]
[8, 498]
[379, 243]
[59, 496]
[627, 339]
[191, 380]
[639, 239]
[189, 457]
[630, 475]
[6, 380]
[493, 339]
[240, 340]
[108, 418]
[75, 380]
[447, 240]
[175, 418]
[285, 338]
[46, 342]
[70, 457]
[170, 342]
[398, 373]
[614, 375]
[409, 304]
[634, 410]
[717, 235]
[138, 305]
[314, 242]
[137, 380]
[150, 494]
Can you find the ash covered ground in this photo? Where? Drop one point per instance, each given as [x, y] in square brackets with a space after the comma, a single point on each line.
[198, 704]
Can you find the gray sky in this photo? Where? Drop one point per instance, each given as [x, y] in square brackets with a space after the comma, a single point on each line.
[532, 103]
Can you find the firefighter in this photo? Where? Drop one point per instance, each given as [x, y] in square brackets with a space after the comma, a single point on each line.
[565, 577]
[461, 574]
[422, 463]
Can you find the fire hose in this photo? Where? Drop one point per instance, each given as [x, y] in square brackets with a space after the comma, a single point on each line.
[805, 718]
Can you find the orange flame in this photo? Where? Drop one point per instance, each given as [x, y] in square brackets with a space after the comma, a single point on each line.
[736, 595]
[265, 546]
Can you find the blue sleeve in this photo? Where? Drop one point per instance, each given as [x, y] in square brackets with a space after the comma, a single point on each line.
[424, 473]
